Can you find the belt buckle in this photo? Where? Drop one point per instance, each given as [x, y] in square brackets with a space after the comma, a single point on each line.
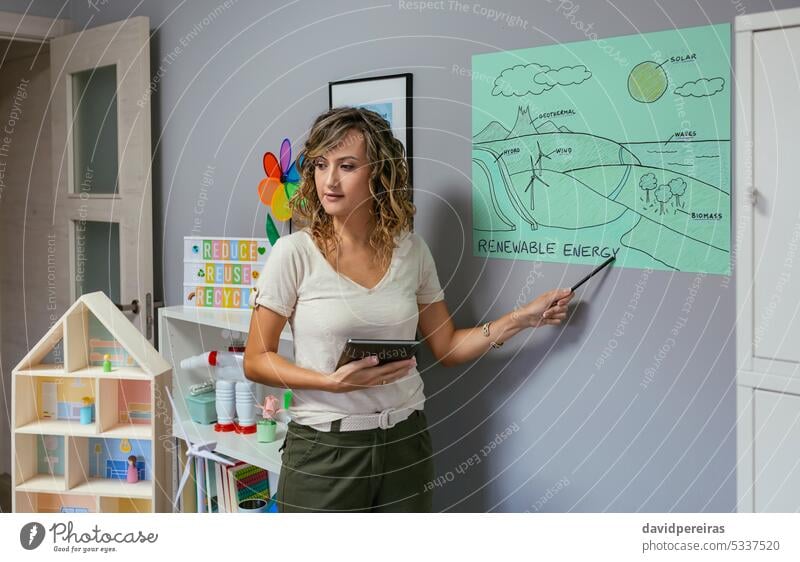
[383, 419]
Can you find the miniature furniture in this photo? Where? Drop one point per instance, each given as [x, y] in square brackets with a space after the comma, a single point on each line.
[63, 465]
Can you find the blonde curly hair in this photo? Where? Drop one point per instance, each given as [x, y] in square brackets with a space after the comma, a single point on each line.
[388, 183]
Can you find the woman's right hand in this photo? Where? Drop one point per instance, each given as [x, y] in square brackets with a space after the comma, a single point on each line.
[365, 373]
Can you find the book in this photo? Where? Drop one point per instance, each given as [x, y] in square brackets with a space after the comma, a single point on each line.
[211, 489]
[200, 482]
[221, 488]
[247, 481]
[222, 505]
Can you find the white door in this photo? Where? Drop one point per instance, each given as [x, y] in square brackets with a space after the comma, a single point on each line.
[100, 112]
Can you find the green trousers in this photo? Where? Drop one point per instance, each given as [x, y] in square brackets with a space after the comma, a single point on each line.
[387, 470]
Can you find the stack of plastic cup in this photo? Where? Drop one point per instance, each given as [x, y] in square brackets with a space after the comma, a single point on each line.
[226, 406]
[246, 406]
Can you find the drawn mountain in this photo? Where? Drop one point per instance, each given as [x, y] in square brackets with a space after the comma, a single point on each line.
[492, 132]
[523, 125]
[550, 127]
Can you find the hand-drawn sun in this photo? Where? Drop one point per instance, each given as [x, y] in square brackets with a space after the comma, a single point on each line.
[647, 82]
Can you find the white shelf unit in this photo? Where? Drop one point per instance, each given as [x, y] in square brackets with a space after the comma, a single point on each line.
[54, 468]
[185, 331]
[767, 287]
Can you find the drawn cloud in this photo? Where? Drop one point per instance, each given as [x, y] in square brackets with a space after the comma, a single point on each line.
[564, 76]
[519, 81]
[534, 79]
[703, 87]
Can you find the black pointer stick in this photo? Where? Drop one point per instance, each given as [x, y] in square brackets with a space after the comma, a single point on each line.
[593, 273]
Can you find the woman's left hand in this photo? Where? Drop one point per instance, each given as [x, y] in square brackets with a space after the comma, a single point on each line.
[549, 308]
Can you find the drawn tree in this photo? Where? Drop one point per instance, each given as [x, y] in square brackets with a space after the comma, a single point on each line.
[677, 187]
[648, 182]
[663, 195]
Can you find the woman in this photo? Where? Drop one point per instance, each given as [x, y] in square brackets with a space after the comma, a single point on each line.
[358, 439]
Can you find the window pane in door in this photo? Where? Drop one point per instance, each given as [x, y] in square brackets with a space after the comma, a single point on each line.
[97, 262]
[94, 131]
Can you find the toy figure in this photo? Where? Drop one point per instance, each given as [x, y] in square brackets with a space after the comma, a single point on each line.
[133, 472]
[86, 411]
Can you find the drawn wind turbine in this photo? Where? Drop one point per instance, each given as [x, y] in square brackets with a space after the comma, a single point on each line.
[536, 175]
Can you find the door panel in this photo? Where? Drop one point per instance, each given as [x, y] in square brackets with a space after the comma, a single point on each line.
[776, 169]
[97, 257]
[93, 105]
[777, 464]
[102, 161]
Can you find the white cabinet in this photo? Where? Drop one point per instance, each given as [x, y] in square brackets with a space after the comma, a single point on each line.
[185, 331]
[767, 267]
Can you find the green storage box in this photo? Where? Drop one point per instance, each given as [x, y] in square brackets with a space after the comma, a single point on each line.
[202, 408]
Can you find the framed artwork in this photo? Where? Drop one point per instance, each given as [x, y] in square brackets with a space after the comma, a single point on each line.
[390, 96]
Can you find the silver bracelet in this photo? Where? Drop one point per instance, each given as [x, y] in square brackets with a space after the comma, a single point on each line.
[494, 344]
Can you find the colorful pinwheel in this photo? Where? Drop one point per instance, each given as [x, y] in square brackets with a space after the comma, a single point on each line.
[283, 179]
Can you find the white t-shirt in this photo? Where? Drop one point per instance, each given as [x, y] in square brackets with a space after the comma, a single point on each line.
[326, 308]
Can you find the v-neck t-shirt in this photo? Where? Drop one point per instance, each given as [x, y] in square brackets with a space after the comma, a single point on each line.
[324, 308]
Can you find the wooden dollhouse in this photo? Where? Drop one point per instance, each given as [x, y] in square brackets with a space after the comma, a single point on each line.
[88, 403]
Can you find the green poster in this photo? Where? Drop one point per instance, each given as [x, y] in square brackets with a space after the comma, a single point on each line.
[616, 146]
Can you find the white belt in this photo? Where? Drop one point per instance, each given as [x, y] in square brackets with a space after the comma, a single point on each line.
[357, 422]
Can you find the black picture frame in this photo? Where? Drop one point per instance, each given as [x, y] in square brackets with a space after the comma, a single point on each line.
[372, 85]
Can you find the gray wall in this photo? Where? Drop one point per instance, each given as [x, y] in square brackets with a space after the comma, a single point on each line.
[45, 8]
[588, 438]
